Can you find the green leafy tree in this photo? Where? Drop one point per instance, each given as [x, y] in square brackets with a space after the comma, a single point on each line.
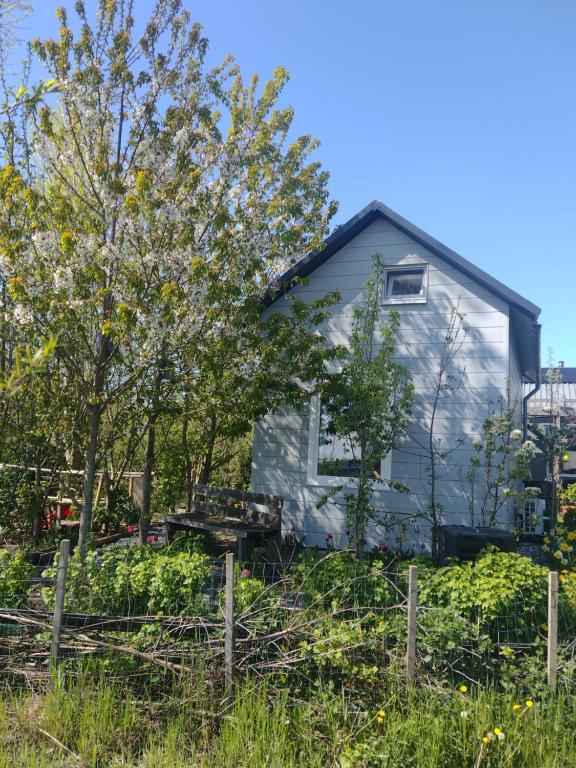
[369, 403]
[156, 203]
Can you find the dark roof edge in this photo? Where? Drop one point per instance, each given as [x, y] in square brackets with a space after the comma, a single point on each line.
[374, 210]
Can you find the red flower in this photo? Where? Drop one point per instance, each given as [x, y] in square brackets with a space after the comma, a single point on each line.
[151, 539]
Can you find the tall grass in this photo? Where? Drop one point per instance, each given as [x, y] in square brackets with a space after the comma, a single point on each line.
[95, 723]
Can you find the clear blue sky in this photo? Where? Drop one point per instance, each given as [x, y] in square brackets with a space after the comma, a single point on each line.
[458, 114]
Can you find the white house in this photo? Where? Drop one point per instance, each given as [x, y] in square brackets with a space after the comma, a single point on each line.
[425, 280]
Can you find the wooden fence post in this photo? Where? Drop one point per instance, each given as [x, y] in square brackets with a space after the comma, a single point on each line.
[552, 665]
[59, 599]
[412, 608]
[229, 623]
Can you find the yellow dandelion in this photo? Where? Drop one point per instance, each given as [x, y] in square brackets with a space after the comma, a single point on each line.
[485, 740]
[463, 689]
[381, 713]
[497, 731]
[379, 719]
[529, 703]
[516, 707]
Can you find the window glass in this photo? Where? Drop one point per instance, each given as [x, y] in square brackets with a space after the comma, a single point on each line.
[334, 457]
[405, 282]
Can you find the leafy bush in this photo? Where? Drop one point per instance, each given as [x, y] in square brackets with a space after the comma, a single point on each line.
[502, 585]
[341, 580]
[15, 572]
[19, 498]
[134, 580]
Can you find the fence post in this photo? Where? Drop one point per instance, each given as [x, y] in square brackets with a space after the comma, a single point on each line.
[552, 666]
[412, 608]
[59, 599]
[229, 623]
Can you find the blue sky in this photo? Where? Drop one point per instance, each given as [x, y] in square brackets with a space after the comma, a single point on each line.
[458, 114]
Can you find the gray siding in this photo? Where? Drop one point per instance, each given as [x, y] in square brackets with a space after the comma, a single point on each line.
[280, 458]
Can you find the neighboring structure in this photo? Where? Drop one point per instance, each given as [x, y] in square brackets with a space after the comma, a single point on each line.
[425, 280]
[552, 408]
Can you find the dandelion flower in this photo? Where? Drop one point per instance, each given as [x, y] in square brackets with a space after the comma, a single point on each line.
[516, 707]
[529, 703]
[380, 716]
[463, 689]
[485, 740]
[497, 731]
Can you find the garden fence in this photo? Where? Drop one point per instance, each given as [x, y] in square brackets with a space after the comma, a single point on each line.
[283, 618]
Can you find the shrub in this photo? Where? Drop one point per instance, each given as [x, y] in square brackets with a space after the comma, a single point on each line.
[15, 572]
[340, 580]
[134, 580]
[502, 585]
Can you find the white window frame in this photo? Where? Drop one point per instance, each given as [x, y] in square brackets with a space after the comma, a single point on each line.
[532, 516]
[413, 299]
[313, 449]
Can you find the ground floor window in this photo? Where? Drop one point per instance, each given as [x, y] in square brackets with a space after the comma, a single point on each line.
[330, 459]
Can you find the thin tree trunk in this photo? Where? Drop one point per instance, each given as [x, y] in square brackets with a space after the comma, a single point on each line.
[37, 511]
[144, 517]
[207, 459]
[150, 455]
[187, 461]
[89, 479]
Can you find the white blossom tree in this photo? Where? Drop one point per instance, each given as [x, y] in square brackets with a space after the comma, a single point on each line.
[157, 202]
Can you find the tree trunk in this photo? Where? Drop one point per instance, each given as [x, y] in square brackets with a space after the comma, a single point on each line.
[187, 461]
[37, 511]
[150, 457]
[207, 459]
[144, 517]
[89, 479]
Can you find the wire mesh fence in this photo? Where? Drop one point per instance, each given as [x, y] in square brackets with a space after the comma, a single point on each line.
[330, 616]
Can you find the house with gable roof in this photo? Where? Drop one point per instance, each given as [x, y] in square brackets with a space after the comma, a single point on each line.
[499, 354]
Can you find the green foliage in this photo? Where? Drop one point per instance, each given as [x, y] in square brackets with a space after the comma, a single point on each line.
[368, 403]
[134, 580]
[19, 501]
[15, 572]
[496, 585]
[340, 580]
[499, 467]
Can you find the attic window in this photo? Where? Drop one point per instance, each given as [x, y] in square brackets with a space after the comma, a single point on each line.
[405, 285]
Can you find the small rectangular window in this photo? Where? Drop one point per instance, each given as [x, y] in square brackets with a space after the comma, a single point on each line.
[405, 285]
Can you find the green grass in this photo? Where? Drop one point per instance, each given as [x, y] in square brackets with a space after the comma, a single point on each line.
[106, 724]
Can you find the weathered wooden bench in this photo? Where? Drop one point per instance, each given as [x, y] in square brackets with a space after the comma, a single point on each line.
[249, 517]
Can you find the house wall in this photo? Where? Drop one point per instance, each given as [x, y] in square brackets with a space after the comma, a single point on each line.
[280, 456]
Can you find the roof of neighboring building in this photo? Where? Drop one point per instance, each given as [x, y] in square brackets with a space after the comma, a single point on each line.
[557, 393]
[563, 374]
[524, 313]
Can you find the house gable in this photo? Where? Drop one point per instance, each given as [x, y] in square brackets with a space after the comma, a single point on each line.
[490, 356]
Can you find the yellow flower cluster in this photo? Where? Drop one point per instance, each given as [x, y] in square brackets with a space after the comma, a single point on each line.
[380, 716]
[496, 734]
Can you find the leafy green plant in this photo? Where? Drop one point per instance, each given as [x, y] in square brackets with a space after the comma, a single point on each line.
[367, 406]
[340, 580]
[15, 573]
[497, 584]
[134, 580]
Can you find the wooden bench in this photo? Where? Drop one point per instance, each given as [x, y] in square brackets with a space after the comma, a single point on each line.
[249, 517]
